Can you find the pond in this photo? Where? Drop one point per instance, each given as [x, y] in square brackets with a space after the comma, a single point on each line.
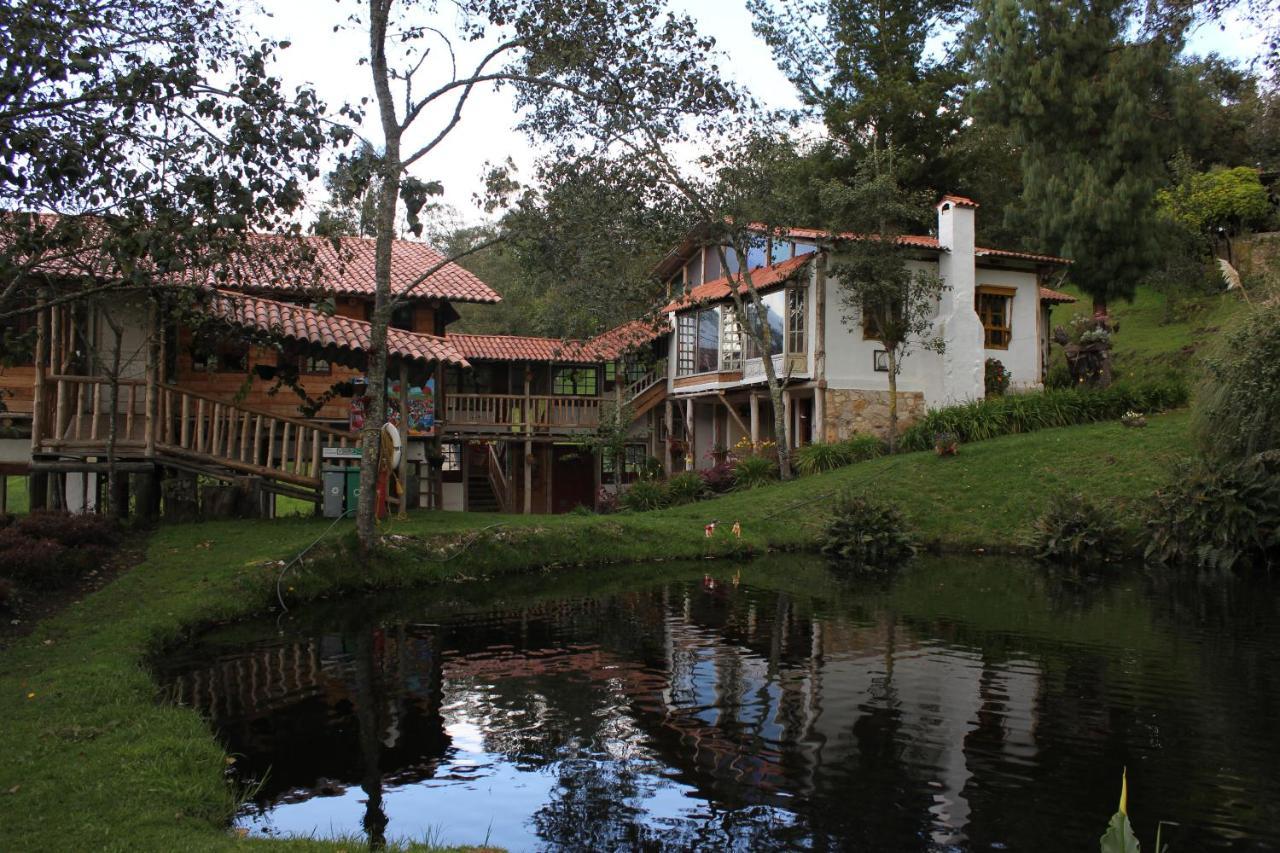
[961, 704]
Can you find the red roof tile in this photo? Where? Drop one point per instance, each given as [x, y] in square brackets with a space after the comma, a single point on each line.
[761, 278]
[521, 348]
[958, 201]
[345, 266]
[271, 263]
[615, 342]
[1055, 296]
[307, 325]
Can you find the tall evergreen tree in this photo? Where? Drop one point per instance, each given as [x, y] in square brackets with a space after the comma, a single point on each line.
[869, 70]
[1084, 88]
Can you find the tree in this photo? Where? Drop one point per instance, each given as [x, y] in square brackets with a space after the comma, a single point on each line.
[883, 295]
[352, 196]
[1220, 200]
[583, 73]
[1083, 88]
[154, 132]
[871, 71]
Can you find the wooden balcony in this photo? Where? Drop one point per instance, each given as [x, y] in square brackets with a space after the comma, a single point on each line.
[516, 414]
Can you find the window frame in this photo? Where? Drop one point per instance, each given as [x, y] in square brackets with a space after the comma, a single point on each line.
[983, 298]
[577, 375]
[796, 303]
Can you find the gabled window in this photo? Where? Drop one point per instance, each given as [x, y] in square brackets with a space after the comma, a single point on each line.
[698, 342]
[995, 308]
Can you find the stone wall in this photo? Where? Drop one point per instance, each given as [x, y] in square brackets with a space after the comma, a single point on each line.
[851, 412]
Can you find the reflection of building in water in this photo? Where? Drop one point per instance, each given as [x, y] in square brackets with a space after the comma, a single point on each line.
[747, 698]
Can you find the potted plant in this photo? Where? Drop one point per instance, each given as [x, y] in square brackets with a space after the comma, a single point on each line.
[946, 443]
[1133, 420]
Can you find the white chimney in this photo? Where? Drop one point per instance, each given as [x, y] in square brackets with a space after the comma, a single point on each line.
[958, 322]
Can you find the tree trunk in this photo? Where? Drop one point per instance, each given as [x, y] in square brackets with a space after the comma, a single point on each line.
[763, 341]
[388, 198]
[891, 355]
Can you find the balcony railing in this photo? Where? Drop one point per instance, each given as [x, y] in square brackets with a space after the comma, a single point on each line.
[517, 414]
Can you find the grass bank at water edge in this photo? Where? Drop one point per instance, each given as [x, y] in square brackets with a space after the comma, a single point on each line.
[93, 761]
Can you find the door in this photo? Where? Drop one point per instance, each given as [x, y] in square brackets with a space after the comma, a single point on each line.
[573, 478]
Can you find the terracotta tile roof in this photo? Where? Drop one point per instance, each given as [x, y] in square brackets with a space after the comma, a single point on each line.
[521, 348]
[634, 333]
[307, 325]
[345, 266]
[761, 278]
[925, 242]
[958, 201]
[269, 263]
[1055, 296]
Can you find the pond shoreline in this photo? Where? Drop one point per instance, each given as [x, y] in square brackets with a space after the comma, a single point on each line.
[82, 722]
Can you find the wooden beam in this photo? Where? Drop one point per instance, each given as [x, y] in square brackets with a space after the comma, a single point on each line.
[734, 414]
[403, 473]
[528, 477]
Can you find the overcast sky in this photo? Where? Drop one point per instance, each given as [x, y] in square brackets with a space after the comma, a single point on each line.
[330, 62]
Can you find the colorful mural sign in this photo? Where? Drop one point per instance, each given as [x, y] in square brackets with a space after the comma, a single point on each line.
[422, 408]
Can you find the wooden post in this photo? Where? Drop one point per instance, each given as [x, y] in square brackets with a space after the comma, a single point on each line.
[437, 471]
[151, 422]
[37, 405]
[669, 421]
[734, 414]
[528, 471]
[404, 439]
[528, 410]
[755, 420]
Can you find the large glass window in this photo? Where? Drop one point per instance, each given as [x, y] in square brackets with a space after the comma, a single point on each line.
[774, 306]
[575, 381]
[796, 320]
[711, 269]
[779, 251]
[731, 264]
[756, 256]
[708, 340]
[693, 271]
[686, 342]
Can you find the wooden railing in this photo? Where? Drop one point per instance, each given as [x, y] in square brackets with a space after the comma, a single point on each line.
[206, 429]
[498, 480]
[518, 414]
[83, 411]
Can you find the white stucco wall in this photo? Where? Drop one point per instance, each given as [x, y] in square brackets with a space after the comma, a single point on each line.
[1022, 358]
[850, 359]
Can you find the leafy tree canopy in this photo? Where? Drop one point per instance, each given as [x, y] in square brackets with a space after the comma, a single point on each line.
[155, 118]
[1229, 199]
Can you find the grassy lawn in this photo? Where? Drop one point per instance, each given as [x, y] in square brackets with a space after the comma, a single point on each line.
[1155, 339]
[94, 761]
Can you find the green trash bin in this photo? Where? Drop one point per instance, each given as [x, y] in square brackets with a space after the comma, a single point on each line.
[353, 489]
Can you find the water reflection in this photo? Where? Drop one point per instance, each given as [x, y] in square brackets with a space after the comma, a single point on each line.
[963, 706]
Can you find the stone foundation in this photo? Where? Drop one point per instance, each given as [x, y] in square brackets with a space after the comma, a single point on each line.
[849, 412]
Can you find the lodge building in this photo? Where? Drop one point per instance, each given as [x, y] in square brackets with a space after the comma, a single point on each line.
[261, 385]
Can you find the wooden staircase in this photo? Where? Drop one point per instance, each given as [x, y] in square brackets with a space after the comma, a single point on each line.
[646, 392]
[169, 426]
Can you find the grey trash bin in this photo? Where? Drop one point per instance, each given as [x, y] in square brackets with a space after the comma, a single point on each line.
[335, 490]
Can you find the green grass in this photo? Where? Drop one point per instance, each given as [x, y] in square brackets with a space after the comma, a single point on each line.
[18, 502]
[1156, 338]
[94, 761]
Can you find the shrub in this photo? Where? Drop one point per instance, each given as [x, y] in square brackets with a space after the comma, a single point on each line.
[718, 478]
[686, 488]
[606, 501]
[1017, 413]
[39, 563]
[645, 495]
[1218, 517]
[749, 472]
[816, 458]
[1237, 412]
[996, 378]
[1075, 530]
[8, 594]
[582, 509]
[866, 534]
[68, 529]
[864, 447]
[1058, 376]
